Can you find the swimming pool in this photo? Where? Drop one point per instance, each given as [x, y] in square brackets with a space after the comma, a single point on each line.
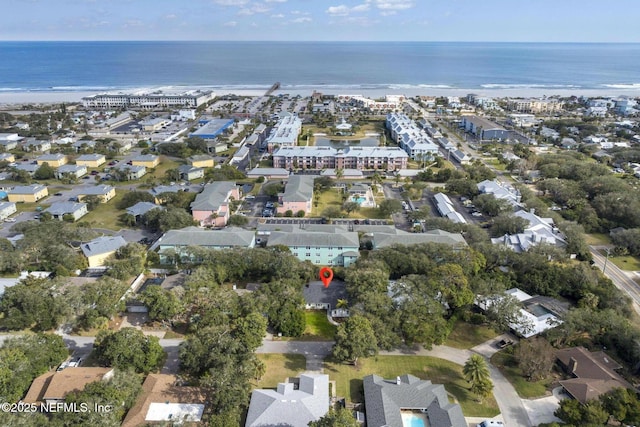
[414, 420]
[359, 200]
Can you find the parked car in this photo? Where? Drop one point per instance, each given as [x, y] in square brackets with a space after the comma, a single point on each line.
[504, 343]
[75, 362]
[491, 423]
[10, 220]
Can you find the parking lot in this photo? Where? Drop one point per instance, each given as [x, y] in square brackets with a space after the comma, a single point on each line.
[321, 221]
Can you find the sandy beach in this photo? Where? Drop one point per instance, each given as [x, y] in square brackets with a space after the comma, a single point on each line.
[8, 99]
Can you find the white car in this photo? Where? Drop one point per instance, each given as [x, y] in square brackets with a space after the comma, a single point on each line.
[10, 220]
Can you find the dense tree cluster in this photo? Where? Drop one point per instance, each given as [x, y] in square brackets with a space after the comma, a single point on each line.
[24, 358]
[129, 348]
[588, 193]
[619, 404]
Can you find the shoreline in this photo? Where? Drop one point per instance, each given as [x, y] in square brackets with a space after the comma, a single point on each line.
[8, 99]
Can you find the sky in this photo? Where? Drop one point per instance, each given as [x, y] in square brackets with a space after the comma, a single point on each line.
[323, 20]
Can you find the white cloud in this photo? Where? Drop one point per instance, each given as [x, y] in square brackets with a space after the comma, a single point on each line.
[392, 4]
[231, 2]
[388, 12]
[230, 24]
[275, 1]
[301, 20]
[255, 8]
[278, 16]
[343, 10]
[171, 16]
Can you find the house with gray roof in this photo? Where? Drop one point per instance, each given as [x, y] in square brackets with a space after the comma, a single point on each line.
[141, 208]
[70, 171]
[130, 172]
[384, 240]
[320, 297]
[98, 250]
[320, 248]
[268, 173]
[7, 209]
[298, 194]
[59, 209]
[179, 240]
[288, 406]
[388, 403]
[188, 172]
[212, 206]
[29, 168]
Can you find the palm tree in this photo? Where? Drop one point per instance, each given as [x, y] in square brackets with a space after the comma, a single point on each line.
[476, 372]
[339, 173]
[342, 303]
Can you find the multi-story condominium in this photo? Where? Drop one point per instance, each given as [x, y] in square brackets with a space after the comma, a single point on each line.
[7, 209]
[320, 248]
[91, 160]
[382, 158]
[535, 105]
[192, 99]
[285, 132]
[413, 140]
[103, 192]
[484, 129]
[212, 206]
[54, 160]
[70, 171]
[178, 241]
[391, 102]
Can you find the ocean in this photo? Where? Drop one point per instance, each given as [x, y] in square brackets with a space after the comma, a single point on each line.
[348, 67]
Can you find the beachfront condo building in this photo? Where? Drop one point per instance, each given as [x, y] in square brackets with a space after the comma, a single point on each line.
[148, 101]
[285, 132]
[413, 140]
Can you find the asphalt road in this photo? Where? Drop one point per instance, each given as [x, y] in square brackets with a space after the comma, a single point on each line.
[617, 276]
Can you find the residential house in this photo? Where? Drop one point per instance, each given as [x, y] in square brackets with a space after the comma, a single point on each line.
[202, 161]
[163, 401]
[216, 147]
[460, 156]
[7, 157]
[212, 206]
[91, 160]
[289, 405]
[189, 173]
[10, 141]
[76, 211]
[7, 209]
[178, 241]
[158, 191]
[500, 191]
[320, 297]
[297, 196]
[148, 161]
[594, 373]
[130, 172]
[268, 173]
[36, 145]
[84, 144]
[537, 314]
[396, 402]
[104, 193]
[53, 387]
[70, 171]
[539, 230]
[141, 208]
[98, 250]
[240, 155]
[154, 124]
[54, 160]
[29, 168]
[319, 247]
[28, 193]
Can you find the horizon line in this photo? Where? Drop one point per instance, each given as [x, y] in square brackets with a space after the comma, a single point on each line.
[311, 41]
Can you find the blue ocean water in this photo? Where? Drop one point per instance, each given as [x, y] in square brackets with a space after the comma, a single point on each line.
[97, 66]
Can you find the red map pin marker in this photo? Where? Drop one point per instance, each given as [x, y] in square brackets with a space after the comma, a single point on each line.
[326, 274]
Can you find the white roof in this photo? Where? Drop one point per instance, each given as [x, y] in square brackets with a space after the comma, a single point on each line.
[176, 412]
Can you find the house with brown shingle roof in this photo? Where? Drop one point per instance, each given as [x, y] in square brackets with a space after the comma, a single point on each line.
[161, 401]
[52, 387]
[594, 373]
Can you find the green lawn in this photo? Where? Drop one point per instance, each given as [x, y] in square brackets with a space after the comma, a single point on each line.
[525, 389]
[597, 239]
[465, 335]
[629, 263]
[279, 367]
[165, 164]
[318, 327]
[332, 197]
[106, 214]
[349, 379]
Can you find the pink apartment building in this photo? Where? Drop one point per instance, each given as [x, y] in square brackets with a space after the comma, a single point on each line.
[297, 196]
[211, 206]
